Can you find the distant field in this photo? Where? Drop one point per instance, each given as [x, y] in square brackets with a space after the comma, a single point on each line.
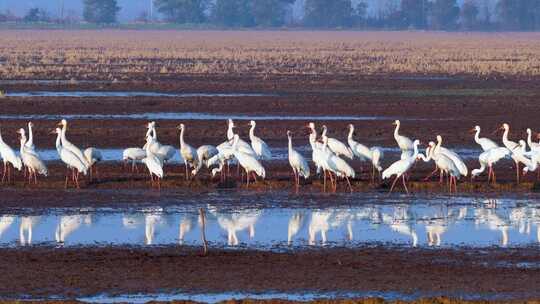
[124, 54]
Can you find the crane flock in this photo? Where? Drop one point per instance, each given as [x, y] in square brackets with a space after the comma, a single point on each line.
[330, 156]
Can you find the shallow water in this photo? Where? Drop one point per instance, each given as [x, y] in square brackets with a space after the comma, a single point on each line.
[278, 153]
[194, 116]
[126, 94]
[282, 220]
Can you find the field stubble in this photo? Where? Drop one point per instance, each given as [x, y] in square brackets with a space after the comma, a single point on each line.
[117, 55]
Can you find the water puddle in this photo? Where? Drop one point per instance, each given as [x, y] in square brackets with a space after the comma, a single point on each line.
[83, 94]
[227, 296]
[264, 224]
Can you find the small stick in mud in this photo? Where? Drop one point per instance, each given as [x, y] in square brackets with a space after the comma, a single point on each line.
[203, 231]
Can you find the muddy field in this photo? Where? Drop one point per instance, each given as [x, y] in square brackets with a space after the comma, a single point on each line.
[427, 107]
[80, 272]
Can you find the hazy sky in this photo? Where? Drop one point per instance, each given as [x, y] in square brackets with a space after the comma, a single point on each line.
[133, 8]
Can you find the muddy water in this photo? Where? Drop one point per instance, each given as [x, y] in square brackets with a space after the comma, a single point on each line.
[264, 224]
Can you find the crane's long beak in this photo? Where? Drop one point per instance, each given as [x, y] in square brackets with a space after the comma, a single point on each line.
[472, 130]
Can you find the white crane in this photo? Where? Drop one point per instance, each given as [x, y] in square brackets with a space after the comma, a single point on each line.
[243, 146]
[298, 163]
[30, 143]
[66, 144]
[154, 165]
[485, 143]
[488, 159]
[337, 146]
[316, 147]
[93, 156]
[31, 161]
[248, 162]
[188, 153]
[374, 154]
[532, 145]
[338, 166]
[134, 155]
[204, 154]
[404, 143]
[225, 154]
[511, 145]
[9, 158]
[70, 159]
[458, 161]
[444, 164]
[259, 146]
[320, 155]
[402, 166]
[164, 152]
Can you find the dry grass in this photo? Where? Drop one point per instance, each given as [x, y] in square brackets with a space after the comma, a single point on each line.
[140, 54]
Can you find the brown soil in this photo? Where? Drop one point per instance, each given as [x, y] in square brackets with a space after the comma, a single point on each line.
[72, 272]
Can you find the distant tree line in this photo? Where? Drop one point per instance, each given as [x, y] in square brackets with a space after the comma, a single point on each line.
[520, 15]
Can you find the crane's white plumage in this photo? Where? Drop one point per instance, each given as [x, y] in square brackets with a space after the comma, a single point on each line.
[337, 146]
[9, 157]
[247, 161]
[259, 146]
[400, 167]
[69, 158]
[242, 146]
[458, 162]
[30, 143]
[532, 145]
[153, 163]
[403, 142]
[488, 159]
[66, 144]
[364, 153]
[188, 153]
[31, 161]
[298, 163]
[485, 143]
[204, 153]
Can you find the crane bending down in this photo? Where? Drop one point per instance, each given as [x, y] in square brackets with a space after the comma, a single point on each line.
[133, 155]
[488, 159]
[248, 162]
[402, 166]
[445, 164]
[93, 156]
